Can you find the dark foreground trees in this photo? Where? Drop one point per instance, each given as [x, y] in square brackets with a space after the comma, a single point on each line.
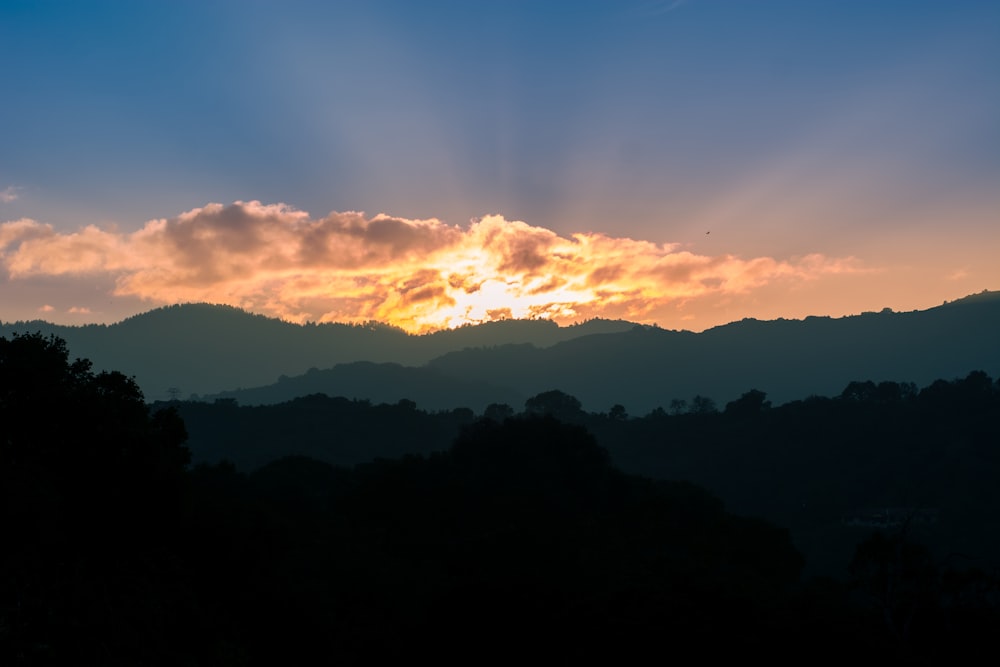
[522, 535]
[520, 540]
[90, 487]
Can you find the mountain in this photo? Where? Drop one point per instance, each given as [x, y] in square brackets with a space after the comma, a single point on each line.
[202, 349]
[647, 367]
[205, 349]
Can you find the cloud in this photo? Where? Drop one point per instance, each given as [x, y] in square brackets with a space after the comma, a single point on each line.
[79, 310]
[9, 194]
[16, 231]
[46, 309]
[957, 274]
[418, 274]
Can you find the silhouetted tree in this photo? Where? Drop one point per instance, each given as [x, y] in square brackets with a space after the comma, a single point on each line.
[678, 406]
[859, 391]
[463, 415]
[498, 412]
[556, 403]
[749, 404]
[702, 405]
[90, 488]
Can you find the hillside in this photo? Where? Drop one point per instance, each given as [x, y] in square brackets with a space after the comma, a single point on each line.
[199, 349]
[205, 349]
[646, 367]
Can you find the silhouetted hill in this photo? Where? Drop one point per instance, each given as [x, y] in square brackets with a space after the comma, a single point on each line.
[201, 348]
[647, 367]
[379, 383]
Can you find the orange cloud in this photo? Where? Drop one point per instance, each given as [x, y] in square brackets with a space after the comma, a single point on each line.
[417, 274]
[18, 231]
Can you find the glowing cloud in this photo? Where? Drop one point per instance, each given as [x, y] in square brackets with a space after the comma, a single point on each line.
[417, 274]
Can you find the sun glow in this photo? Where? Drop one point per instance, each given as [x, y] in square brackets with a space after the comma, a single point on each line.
[420, 275]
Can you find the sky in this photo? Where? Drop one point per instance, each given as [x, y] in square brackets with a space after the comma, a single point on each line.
[684, 163]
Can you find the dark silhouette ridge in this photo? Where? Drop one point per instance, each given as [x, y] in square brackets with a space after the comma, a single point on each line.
[641, 369]
[378, 383]
[199, 349]
[207, 349]
[646, 367]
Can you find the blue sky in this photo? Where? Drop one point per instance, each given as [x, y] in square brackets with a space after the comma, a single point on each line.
[852, 129]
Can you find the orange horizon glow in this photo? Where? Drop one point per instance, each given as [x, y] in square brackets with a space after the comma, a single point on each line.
[422, 275]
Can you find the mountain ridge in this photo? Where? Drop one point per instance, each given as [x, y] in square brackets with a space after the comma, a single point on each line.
[200, 349]
[648, 367]
[207, 349]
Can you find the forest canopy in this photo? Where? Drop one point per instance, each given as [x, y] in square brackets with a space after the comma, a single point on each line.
[520, 532]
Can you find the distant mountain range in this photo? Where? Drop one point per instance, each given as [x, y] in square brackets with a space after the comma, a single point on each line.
[201, 349]
[219, 351]
[645, 367]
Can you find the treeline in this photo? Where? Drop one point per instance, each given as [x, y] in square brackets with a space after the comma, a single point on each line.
[520, 536]
[810, 464]
[349, 431]
[336, 430]
[806, 465]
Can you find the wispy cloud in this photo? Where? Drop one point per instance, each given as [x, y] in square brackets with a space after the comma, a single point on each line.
[957, 274]
[417, 274]
[9, 194]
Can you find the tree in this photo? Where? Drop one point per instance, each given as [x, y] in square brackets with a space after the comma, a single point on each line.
[498, 412]
[58, 415]
[859, 391]
[749, 404]
[90, 487]
[618, 413]
[556, 403]
[702, 405]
